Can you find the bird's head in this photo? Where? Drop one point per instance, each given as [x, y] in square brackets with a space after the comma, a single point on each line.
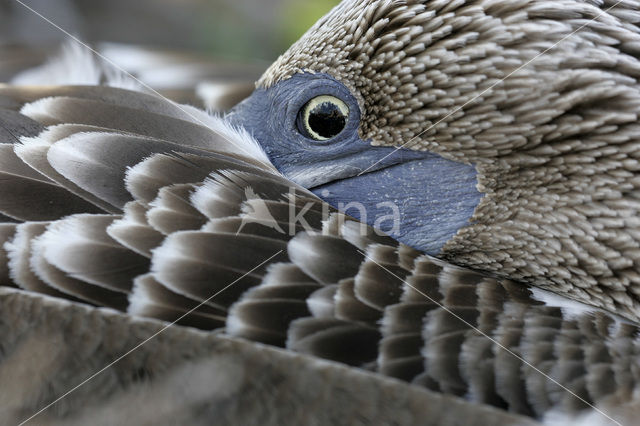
[505, 133]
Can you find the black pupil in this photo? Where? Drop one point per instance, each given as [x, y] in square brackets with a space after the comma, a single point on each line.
[327, 120]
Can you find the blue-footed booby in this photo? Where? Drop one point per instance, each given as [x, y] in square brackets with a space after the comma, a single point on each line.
[503, 134]
[517, 124]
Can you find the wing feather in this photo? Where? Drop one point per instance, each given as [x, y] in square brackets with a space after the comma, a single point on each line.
[14, 125]
[172, 210]
[149, 298]
[80, 246]
[33, 152]
[349, 307]
[133, 231]
[19, 250]
[342, 341]
[201, 265]
[24, 199]
[7, 232]
[74, 288]
[324, 258]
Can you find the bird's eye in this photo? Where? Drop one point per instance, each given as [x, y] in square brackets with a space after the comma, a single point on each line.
[323, 117]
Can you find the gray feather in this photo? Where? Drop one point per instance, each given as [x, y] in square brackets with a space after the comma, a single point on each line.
[133, 231]
[80, 246]
[313, 253]
[14, 125]
[151, 299]
[172, 210]
[34, 152]
[23, 198]
[7, 231]
[201, 265]
[337, 340]
[18, 252]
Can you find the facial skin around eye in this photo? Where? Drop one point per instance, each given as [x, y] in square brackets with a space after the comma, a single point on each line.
[342, 167]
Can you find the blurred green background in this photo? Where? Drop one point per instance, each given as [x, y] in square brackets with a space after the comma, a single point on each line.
[234, 29]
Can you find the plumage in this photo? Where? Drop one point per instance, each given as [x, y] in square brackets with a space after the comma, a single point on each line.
[340, 293]
[133, 231]
[540, 98]
[162, 208]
